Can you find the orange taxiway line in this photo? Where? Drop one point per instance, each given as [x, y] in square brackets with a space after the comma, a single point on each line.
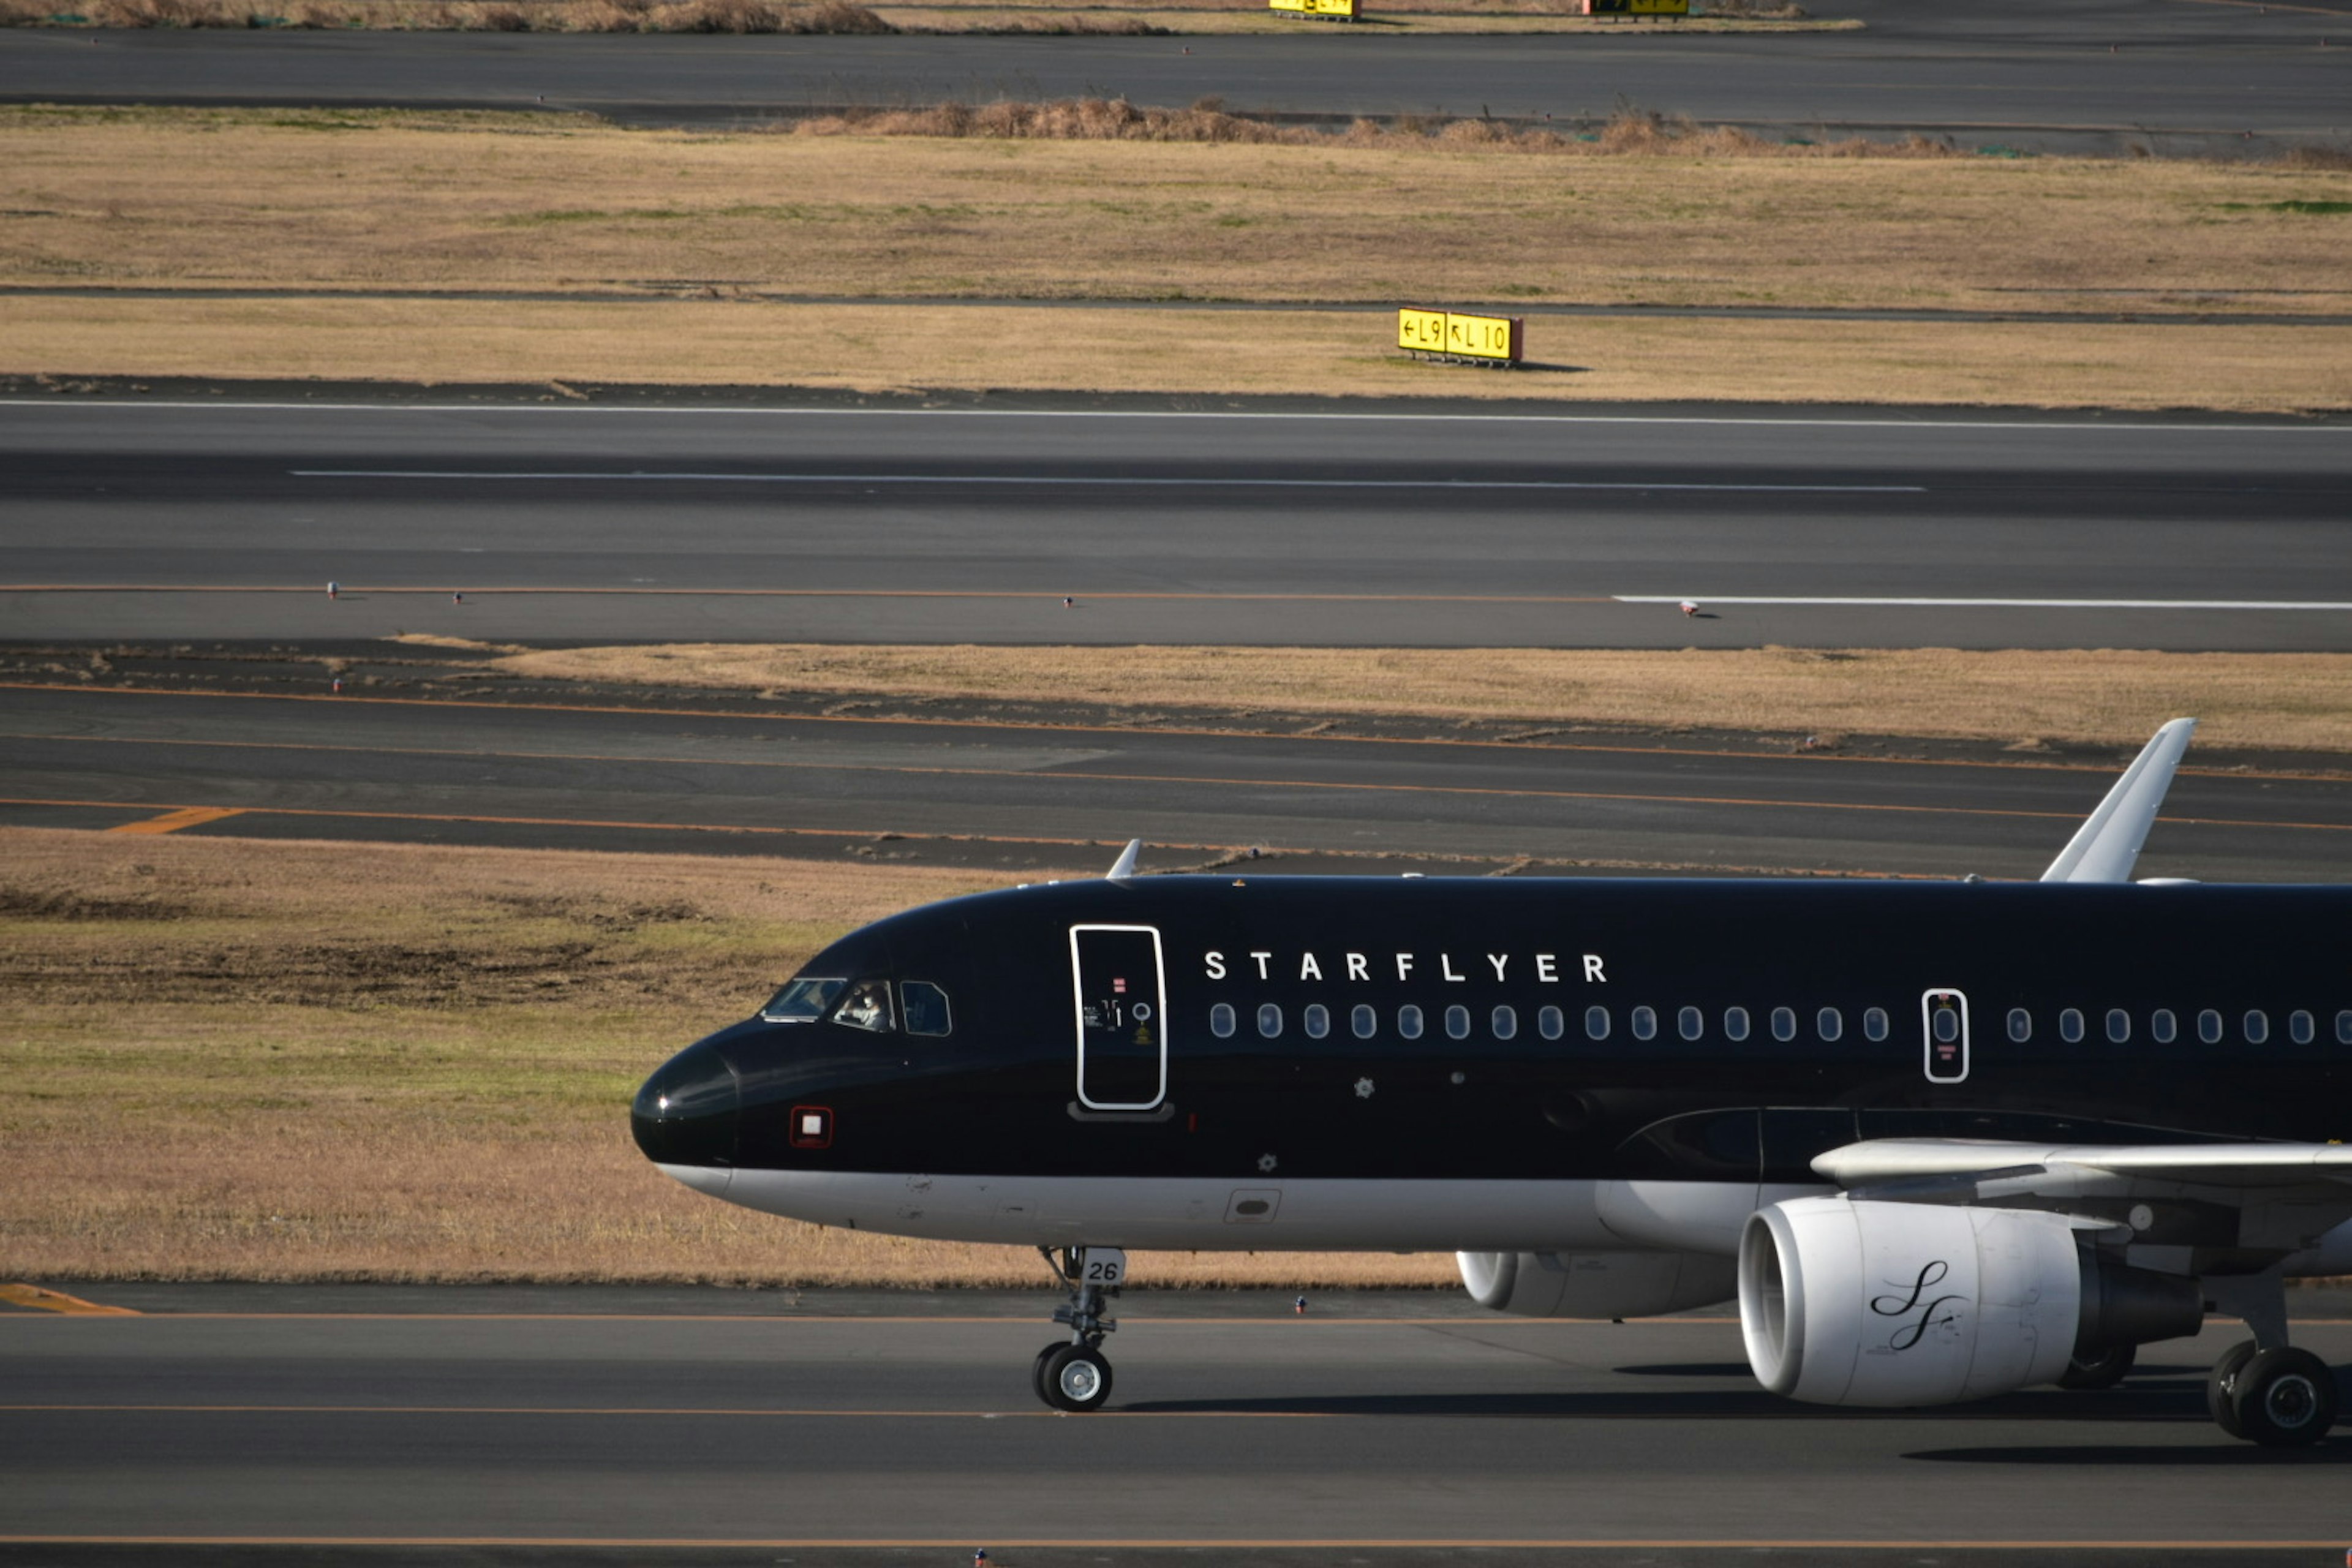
[361, 590]
[788, 1316]
[59, 1303]
[595, 822]
[186, 816]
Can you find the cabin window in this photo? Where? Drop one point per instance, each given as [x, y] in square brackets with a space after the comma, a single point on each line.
[867, 1006]
[1318, 1019]
[1735, 1024]
[2118, 1026]
[1690, 1023]
[1457, 1023]
[1269, 1019]
[2070, 1026]
[1596, 1023]
[1364, 1022]
[802, 1000]
[1874, 1024]
[2258, 1026]
[2161, 1027]
[1222, 1022]
[2344, 1028]
[1551, 1023]
[1505, 1022]
[1784, 1024]
[2209, 1026]
[2020, 1025]
[2300, 1028]
[1645, 1023]
[925, 1006]
[1409, 1021]
[1831, 1023]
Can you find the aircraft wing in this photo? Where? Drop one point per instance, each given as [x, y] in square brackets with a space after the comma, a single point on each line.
[2225, 1207]
[1880, 1161]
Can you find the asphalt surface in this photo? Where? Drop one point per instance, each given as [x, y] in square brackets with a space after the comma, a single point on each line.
[2166, 76]
[1328, 524]
[1010, 795]
[802, 1428]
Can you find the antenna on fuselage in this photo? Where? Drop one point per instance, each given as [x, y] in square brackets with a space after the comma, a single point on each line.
[1124, 866]
[2105, 846]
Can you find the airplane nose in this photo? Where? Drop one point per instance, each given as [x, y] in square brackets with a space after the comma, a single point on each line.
[684, 1117]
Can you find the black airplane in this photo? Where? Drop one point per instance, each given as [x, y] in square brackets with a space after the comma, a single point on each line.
[1942, 1140]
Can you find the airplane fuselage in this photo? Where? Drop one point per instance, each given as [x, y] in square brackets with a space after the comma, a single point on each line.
[1208, 1061]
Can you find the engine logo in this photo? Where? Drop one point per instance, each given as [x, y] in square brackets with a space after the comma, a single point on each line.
[1917, 1300]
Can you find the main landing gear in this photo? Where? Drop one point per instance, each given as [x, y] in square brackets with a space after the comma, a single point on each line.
[2281, 1397]
[2263, 1389]
[1074, 1374]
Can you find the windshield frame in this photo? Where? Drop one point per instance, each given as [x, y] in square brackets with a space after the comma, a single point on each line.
[773, 1010]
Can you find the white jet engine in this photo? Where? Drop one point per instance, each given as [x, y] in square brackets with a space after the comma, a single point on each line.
[1594, 1284]
[1862, 1302]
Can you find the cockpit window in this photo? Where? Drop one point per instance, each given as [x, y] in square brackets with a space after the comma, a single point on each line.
[926, 1006]
[867, 1006]
[802, 1000]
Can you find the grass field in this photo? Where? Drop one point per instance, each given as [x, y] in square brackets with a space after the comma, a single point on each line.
[821, 259]
[2260, 701]
[748, 16]
[309, 1061]
[348, 200]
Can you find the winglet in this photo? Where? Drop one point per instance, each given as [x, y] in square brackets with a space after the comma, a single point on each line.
[1124, 866]
[2105, 846]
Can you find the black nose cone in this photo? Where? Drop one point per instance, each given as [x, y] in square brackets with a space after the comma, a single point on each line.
[686, 1113]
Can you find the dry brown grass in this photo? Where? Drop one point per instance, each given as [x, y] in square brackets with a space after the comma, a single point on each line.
[469, 15]
[1165, 207]
[2267, 702]
[888, 348]
[333, 200]
[236, 1059]
[1097, 17]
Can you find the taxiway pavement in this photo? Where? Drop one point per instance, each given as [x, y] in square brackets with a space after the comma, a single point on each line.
[2161, 76]
[793, 1429]
[1011, 795]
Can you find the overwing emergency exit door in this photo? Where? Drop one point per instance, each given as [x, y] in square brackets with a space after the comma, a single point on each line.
[1122, 1018]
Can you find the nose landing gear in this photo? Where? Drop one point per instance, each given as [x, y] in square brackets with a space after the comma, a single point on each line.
[1074, 1374]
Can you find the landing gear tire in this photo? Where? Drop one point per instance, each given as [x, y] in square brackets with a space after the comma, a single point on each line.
[2220, 1387]
[2103, 1370]
[1037, 1368]
[1076, 1378]
[2284, 1398]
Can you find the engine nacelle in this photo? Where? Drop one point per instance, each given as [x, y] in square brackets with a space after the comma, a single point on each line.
[1846, 1302]
[1595, 1284]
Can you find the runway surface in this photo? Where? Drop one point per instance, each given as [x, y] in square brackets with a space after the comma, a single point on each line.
[1327, 525]
[1011, 795]
[2167, 75]
[1368, 1423]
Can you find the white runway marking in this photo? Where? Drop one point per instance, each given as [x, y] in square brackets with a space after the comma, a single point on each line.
[1128, 480]
[1704, 599]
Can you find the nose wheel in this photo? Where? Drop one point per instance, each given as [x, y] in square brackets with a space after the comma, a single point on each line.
[1073, 1374]
[1075, 1378]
